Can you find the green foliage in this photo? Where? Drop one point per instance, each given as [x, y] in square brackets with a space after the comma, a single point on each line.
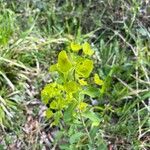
[119, 31]
[66, 96]
[67, 88]
[7, 109]
[7, 20]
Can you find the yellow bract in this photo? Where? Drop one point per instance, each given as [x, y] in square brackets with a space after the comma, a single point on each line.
[75, 47]
[53, 68]
[82, 106]
[64, 63]
[49, 113]
[50, 91]
[54, 105]
[87, 49]
[82, 82]
[71, 87]
[84, 68]
[97, 80]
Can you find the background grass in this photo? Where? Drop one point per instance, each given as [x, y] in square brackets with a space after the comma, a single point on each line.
[31, 35]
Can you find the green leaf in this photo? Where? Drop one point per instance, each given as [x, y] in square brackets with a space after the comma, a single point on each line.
[64, 147]
[91, 91]
[105, 85]
[64, 63]
[92, 116]
[84, 68]
[2, 116]
[1, 147]
[75, 137]
[68, 114]
[57, 116]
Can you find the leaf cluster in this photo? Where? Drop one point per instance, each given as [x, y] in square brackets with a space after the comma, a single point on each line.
[67, 95]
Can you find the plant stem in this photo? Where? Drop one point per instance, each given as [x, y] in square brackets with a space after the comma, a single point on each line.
[86, 130]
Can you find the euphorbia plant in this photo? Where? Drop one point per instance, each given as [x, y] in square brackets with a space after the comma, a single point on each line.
[68, 96]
